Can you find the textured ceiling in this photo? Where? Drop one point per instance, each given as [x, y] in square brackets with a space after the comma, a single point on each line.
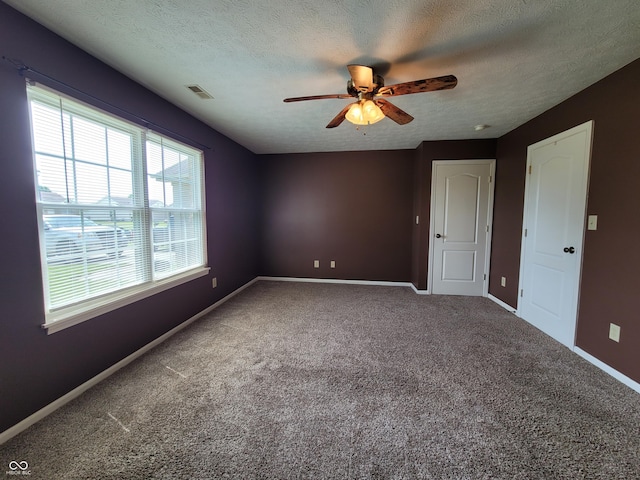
[513, 59]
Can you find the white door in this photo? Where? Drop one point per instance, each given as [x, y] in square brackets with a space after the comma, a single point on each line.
[462, 202]
[554, 219]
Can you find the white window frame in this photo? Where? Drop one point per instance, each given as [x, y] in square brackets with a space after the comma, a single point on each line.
[67, 316]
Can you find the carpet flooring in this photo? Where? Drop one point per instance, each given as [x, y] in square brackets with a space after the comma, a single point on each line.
[324, 381]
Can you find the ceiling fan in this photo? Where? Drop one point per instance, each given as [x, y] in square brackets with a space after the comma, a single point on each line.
[371, 92]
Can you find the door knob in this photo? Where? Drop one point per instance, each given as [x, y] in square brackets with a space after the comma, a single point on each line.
[438, 235]
[569, 250]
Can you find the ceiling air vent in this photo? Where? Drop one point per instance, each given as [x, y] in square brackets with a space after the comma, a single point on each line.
[200, 92]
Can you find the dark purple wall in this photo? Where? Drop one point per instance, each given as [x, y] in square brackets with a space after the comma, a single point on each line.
[427, 153]
[610, 283]
[507, 220]
[36, 368]
[351, 207]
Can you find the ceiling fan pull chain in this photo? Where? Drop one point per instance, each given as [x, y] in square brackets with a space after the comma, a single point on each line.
[362, 129]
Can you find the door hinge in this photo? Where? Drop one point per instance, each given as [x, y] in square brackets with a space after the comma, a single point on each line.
[521, 293]
[525, 232]
[490, 177]
[530, 166]
[487, 228]
[485, 276]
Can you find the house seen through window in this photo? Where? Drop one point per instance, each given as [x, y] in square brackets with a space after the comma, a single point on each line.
[120, 208]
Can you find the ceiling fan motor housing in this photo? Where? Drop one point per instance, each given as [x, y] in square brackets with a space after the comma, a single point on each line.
[351, 90]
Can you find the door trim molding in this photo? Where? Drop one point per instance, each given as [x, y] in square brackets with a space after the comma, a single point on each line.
[487, 161]
[583, 127]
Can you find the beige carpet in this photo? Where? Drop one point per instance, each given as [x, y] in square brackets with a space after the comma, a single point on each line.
[298, 380]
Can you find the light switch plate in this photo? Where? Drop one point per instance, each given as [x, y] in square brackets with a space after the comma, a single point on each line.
[592, 224]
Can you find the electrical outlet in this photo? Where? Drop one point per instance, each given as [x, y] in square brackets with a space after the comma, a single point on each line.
[614, 332]
[333, 264]
[503, 281]
[214, 282]
[316, 264]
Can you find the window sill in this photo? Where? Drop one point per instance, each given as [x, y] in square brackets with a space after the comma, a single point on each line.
[59, 320]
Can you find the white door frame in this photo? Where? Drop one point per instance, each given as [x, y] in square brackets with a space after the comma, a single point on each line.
[492, 164]
[588, 127]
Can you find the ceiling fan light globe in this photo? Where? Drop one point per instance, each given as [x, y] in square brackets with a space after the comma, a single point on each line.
[354, 115]
[372, 113]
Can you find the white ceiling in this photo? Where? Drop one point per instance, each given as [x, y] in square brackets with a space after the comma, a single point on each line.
[514, 59]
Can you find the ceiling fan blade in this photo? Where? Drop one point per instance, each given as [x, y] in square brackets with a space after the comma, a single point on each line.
[394, 113]
[417, 86]
[317, 97]
[338, 119]
[362, 77]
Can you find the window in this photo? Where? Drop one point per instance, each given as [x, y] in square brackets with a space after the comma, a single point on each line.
[120, 209]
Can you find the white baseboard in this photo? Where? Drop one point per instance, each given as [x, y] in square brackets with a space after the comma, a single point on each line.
[420, 292]
[506, 306]
[346, 282]
[610, 370]
[76, 392]
[335, 280]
